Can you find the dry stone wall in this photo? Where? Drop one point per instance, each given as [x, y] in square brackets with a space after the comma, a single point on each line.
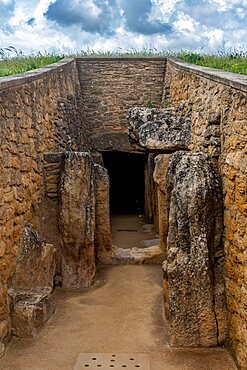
[110, 88]
[82, 106]
[37, 115]
[216, 102]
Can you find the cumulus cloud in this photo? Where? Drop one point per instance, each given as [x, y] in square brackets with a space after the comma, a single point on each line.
[137, 18]
[73, 25]
[92, 16]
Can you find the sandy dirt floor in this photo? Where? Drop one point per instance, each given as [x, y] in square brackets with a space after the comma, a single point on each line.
[121, 313]
[130, 231]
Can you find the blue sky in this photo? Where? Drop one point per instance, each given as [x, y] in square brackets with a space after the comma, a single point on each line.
[108, 25]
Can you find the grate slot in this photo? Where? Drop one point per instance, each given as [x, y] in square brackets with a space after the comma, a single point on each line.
[120, 361]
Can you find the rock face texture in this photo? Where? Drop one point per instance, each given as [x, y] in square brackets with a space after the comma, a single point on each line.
[35, 263]
[31, 309]
[159, 129]
[111, 141]
[218, 110]
[151, 191]
[32, 284]
[37, 112]
[102, 239]
[193, 270]
[77, 220]
[160, 175]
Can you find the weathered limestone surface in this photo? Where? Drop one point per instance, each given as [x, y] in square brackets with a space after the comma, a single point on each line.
[35, 266]
[160, 129]
[35, 117]
[102, 238]
[111, 140]
[2, 349]
[31, 309]
[151, 199]
[32, 284]
[197, 308]
[159, 175]
[138, 256]
[219, 110]
[77, 220]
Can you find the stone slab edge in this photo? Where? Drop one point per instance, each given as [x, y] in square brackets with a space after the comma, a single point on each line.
[234, 80]
[36, 74]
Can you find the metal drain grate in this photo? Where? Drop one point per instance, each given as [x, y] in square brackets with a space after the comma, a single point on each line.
[128, 230]
[116, 361]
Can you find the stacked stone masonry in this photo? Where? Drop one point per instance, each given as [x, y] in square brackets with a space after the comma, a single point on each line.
[82, 105]
[35, 117]
[110, 88]
[217, 105]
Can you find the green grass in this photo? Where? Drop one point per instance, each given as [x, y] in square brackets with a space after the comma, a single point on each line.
[230, 62]
[13, 62]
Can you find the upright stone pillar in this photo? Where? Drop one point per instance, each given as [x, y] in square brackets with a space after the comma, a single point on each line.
[193, 270]
[160, 172]
[77, 220]
[151, 191]
[103, 244]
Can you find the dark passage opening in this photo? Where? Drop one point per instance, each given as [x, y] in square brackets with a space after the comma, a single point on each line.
[126, 172]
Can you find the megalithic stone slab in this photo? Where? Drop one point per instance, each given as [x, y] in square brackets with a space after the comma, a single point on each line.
[77, 220]
[159, 129]
[194, 247]
[103, 243]
[160, 172]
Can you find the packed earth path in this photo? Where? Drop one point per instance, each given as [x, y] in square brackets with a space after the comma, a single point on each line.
[121, 313]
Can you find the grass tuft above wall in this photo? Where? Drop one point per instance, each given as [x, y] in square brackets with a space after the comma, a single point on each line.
[230, 62]
[13, 61]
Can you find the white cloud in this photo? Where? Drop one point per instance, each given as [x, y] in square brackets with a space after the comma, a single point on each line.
[215, 39]
[211, 25]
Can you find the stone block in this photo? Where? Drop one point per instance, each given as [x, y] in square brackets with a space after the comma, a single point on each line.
[159, 129]
[31, 309]
[35, 266]
[111, 141]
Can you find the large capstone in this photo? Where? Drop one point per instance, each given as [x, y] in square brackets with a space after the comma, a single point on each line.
[194, 267]
[159, 129]
[77, 220]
